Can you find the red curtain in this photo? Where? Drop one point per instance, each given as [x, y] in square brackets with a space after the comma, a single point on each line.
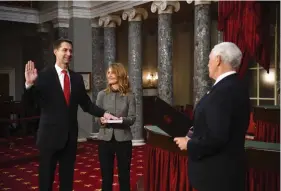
[165, 171]
[268, 132]
[245, 24]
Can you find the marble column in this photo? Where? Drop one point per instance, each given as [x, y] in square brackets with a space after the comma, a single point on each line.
[165, 47]
[109, 22]
[220, 36]
[202, 39]
[46, 44]
[98, 68]
[61, 28]
[135, 17]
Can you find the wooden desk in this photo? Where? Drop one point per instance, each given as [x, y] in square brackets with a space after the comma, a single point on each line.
[261, 156]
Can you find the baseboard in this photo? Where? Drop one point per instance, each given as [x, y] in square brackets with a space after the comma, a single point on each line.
[139, 142]
[79, 140]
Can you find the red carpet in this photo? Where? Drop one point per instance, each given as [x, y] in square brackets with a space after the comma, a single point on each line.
[18, 168]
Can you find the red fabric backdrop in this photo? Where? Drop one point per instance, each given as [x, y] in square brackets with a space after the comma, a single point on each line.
[246, 24]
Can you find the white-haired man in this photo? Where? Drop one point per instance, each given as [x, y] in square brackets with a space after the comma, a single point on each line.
[216, 148]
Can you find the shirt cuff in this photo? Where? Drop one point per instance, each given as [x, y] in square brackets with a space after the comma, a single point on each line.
[27, 86]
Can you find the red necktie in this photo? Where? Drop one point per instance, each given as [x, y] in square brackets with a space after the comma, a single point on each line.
[66, 87]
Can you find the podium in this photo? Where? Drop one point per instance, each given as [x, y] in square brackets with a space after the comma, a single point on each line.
[166, 166]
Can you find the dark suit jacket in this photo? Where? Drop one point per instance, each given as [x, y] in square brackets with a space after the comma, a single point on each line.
[216, 149]
[58, 122]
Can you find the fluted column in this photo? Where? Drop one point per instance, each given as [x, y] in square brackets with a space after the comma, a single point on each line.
[202, 39]
[98, 68]
[165, 47]
[135, 17]
[109, 22]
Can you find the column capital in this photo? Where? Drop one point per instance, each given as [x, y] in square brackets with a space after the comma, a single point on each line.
[110, 21]
[135, 14]
[201, 2]
[95, 23]
[60, 22]
[165, 7]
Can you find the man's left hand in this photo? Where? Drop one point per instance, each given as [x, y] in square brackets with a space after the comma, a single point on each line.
[182, 142]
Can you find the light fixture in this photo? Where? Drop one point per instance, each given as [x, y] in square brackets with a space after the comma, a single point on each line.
[269, 78]
[152, 79]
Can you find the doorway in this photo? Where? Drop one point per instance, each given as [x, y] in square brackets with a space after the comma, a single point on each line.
[7, 83]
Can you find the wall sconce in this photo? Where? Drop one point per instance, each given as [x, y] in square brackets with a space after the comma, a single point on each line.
[152, 80]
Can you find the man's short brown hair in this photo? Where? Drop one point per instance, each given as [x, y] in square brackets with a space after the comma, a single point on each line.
[57, 43]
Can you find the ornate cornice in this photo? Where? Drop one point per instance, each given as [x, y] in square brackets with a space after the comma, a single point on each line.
[135, 14]
[50, 10]
[95, 23]
[110, 21]
[24, 15]
[64, 23]
[165, 7]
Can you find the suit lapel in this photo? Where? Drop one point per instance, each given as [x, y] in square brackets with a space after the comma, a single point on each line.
[72, 86]
[227, 78]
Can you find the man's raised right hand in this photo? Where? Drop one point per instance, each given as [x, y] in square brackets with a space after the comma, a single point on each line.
[30, 73]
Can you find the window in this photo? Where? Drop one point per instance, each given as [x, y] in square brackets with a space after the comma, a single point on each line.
[263, 85]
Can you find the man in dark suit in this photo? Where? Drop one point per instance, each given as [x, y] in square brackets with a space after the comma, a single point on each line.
[58, 91]
[216, 148]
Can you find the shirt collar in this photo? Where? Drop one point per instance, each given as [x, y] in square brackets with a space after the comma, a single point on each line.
[59, 70]
[223, 76]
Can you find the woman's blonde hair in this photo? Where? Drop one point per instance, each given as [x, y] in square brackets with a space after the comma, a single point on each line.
[122, 78]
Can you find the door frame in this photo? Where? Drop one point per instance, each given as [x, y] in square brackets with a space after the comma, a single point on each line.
[12, 80]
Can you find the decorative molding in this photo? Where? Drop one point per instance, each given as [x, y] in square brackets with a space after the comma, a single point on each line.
[110, 21]
[65, 10]
[200, 2]
[165, 7]
[108, 7]
[135, 14]
[95, 23]
[60, 22]
[24, 15]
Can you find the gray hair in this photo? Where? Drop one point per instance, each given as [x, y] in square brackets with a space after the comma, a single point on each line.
[229, 53]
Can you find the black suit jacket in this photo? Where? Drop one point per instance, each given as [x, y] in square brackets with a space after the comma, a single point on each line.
[216, 149]
[58, 122]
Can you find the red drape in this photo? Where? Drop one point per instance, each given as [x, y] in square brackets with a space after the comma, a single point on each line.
[244, 23]
[268, 132]
[165, 171]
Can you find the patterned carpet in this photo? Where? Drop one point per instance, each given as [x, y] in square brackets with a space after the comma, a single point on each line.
[18, 167]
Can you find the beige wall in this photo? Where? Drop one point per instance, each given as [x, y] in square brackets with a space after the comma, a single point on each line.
[183, 47]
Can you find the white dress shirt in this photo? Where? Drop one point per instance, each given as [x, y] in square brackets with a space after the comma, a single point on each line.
[60, 75]
[223, 76]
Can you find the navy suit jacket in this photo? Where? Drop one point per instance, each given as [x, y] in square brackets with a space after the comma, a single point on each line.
[216, 149]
